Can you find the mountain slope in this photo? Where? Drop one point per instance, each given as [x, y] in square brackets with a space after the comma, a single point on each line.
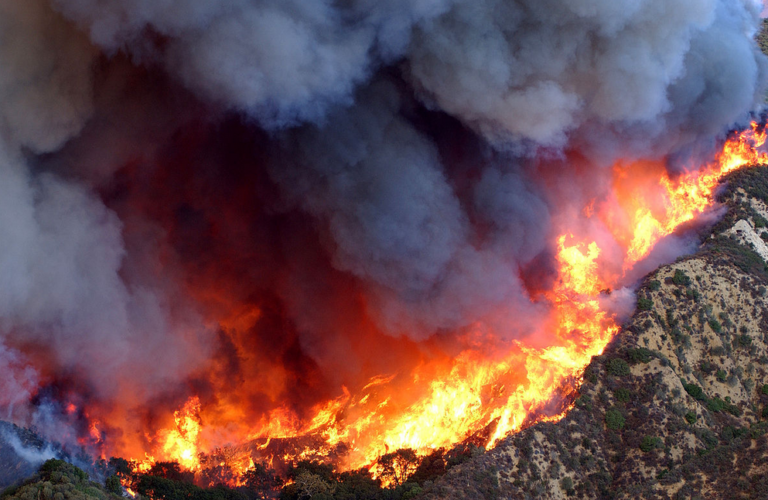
[59, 480]
[13, 465]
[674, 407]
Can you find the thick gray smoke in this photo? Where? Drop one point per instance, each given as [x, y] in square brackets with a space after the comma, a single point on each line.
[408, 132]
[397, 223]
[512, 69]
[61, 249]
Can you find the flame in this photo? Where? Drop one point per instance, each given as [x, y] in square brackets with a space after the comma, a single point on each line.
[473, 394]
[179, 443]
[461, 398]
[654, 205]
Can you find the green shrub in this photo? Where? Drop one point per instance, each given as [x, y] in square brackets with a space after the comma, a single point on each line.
[718, 405]
[721, 375]
[112, 485]
[718, 351]
[680, 278]
[614, 420]
[695, 391]
[584, 401]
[715, 326]
[644, 304]
[764, 389]
[640, 355]
[744, 340]
[730, 433]
[622, 395]
[693, 294]
[650, 443]
[654, 285]
[671, 320]
[690, 417]
[759, 221]
[709, 438]
[617, 367]
[567, 484]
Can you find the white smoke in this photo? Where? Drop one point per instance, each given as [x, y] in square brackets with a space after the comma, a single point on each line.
[31, 454]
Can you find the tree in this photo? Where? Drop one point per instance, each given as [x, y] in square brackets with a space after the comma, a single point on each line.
[680, 278]
[262, 480]
[112, 484]
[644, 304]
[172, 471]
[762, 37]
[397, 467]
[310, 485]
[614, 420]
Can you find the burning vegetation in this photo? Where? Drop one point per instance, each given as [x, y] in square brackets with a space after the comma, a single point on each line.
[360, 442]
[319, 249]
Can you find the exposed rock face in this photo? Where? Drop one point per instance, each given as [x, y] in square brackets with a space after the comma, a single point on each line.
[677, 405]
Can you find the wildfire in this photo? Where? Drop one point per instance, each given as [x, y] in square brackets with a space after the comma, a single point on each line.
[445, 401]
[180, 443]
[652, 213]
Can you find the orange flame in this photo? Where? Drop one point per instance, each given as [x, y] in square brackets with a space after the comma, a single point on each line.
[652, 213]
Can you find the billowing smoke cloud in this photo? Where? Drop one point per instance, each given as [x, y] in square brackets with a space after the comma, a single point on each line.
[398, 225]
[45, 85]
[513, 70]
[268, 195]
[62, 250]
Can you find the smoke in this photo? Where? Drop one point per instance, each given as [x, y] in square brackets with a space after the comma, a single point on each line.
[397, 224]
[45, 85]
[31, 454]
[286, 196]
[18, 384]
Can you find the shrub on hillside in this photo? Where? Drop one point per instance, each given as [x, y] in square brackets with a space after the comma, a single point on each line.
[617, 367]
[614, 420]
[650, 443]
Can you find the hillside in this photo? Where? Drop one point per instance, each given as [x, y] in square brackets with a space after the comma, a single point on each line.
[14, 466]
[676, 406]
[57, 480]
